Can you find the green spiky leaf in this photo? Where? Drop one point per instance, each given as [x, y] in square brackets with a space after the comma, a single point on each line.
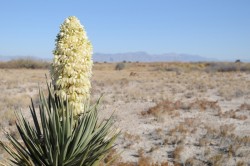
[57, 138]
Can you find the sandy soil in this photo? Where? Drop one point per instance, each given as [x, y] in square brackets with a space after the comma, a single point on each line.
[182, 116]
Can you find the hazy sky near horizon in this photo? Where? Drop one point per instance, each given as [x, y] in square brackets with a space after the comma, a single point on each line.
[211, 28]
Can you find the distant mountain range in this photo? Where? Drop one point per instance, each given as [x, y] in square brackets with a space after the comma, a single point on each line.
[133, 57]
[145, 57]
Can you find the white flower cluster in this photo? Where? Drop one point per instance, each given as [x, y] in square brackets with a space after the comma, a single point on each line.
[72, 64]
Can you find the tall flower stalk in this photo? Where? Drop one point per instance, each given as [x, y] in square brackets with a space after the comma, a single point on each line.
[72, 64]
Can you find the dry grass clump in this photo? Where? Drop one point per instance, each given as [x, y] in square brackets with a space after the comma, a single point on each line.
[234, 114]
[216, 145]
[245, 106]
[245, 68]
[114, 159]
[164, 107]
[179, 67]
[203, 105]
[27, 63]
[229, 92]
[221, 67]
[202, 66]
[219, 132]
[128, 136]
[167, 107]
[130, 139]
[177, 153]
[227, 67]
[222, 145]
[182, 128]
[15, 102]
[9, 104]
[241, 163]
[17, 86]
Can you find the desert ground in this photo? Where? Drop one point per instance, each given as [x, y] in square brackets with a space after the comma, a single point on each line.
[169, 113]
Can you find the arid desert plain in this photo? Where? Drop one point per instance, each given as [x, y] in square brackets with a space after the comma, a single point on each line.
[168, 113]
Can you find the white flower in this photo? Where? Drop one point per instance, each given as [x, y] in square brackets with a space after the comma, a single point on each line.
[72, 64]
[67, 20]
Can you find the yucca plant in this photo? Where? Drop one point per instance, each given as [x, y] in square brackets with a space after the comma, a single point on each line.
[60, 140]
[67, 132]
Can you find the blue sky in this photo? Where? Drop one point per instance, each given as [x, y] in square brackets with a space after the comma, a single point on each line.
[210, 28]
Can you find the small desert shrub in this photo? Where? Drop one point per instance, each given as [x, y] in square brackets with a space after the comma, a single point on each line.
[245, 68]
[227, 67]
[120, 66]
[172, 69]
[169, 69]
[27, 63]
[221, 67]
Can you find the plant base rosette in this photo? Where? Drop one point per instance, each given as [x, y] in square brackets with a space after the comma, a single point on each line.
[56, 138]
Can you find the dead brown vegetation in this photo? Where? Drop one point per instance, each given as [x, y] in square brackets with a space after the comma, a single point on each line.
[27, 63]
